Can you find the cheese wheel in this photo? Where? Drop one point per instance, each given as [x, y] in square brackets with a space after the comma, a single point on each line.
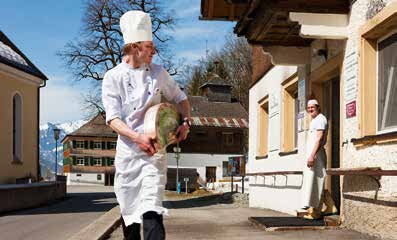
[161, 123]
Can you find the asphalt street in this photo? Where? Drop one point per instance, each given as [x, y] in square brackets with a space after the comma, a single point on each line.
[61, 219]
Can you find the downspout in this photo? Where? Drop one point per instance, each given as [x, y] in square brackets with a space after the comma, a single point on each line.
[38, 129]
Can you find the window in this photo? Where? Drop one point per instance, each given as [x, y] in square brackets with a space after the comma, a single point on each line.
[263, 120]
[78, 175]
[387, 84]
[99, 177]
[227, 138]
[112, 145]
[378, 98]
[97, 145]
[225, 169]
[80, 161]
[290, 114]
[79, 144]
[17, 128]
[97, 162]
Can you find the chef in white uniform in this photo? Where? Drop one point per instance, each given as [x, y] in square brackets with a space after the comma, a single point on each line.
[316, 161]
[128, 90]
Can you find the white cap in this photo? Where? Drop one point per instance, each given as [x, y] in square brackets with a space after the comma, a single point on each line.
[312, 102]
[136, 26]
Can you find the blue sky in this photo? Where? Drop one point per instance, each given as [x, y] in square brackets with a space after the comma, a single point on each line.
[41, 28]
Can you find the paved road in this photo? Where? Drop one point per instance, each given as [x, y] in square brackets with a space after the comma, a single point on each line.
[211, 220]
[59, 220]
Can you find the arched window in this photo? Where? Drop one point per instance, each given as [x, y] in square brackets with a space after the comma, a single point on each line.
[17, 128]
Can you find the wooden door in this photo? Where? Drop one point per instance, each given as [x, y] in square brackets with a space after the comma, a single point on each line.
[210, 174]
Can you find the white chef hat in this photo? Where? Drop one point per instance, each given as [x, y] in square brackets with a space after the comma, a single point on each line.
[312, 102]
[136, 26]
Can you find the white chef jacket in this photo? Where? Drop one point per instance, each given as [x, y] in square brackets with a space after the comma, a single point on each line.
[127, 93]
[314, 178]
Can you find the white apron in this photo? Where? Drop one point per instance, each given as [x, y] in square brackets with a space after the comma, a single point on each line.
[139, 179]
[314, 178]
[139, 182]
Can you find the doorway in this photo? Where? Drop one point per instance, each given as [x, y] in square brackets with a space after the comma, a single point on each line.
[210, 174]
[331, 110]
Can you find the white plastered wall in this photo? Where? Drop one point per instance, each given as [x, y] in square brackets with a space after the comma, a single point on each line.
[85, 179]
[281, 193]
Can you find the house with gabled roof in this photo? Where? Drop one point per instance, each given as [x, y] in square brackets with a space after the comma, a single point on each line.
[20, 82]
[89, 153]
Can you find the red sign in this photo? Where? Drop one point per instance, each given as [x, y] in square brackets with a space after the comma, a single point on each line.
[351, 109]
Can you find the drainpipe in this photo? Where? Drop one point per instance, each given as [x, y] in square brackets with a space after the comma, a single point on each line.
[38, 128]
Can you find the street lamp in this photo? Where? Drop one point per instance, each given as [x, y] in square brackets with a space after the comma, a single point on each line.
[177, 151]
[56, 136]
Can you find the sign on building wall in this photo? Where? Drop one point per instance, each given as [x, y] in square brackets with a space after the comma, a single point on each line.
[350, 77]
[236, 166]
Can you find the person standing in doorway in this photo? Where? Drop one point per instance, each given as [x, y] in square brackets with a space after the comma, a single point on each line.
[128, 90]
[316, 162]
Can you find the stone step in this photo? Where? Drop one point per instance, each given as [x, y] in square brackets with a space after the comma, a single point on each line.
[333, 220]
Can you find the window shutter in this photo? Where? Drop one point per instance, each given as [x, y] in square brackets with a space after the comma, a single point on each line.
[103, 145]
[74, 160]
[86, 159]
[86, 144]
[91, 144]
[92, 161]
[74, 143]
[108, 161]
[107, 145]
[103, 161]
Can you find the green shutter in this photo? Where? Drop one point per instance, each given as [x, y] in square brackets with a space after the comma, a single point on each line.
[74, 160]
[107, 145]
[86, 144]
[91, 161]
[74, 143]
[107, 161]
[86, 159]
[103, 161]
[103, 145]
[91, 144]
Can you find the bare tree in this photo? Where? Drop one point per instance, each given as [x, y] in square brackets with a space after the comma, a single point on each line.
[99, 46]
[234, 66]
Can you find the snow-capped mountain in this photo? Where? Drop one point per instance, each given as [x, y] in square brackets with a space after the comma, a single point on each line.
[47, 144]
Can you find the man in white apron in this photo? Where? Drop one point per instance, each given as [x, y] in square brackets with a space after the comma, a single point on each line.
[128, 90]
[314, 172]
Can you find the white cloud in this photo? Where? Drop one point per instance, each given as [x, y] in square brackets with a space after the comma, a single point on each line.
[60, 101]
[193, 10]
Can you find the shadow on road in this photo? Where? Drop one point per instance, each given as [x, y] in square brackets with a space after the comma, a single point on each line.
[199, 201]
[74, 203]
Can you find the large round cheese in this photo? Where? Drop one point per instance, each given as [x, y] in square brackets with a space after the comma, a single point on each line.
[161, 123]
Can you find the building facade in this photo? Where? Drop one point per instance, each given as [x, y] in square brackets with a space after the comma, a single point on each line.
[20, 83]
[342, 53]
[89, 154]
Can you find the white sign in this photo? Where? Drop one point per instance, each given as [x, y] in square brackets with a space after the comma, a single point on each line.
[350, 76]
[186, 179]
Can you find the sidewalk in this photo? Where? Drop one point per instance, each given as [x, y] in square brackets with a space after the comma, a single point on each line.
[227, 221]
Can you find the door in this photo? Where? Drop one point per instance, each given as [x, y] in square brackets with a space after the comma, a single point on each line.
[210, 174]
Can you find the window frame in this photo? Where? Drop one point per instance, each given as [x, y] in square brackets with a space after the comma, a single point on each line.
[371, 32]
[379, 40]
[226, 136]
[95, 160]
[77, 144]
[289, 88]
[111, 147]
[95, 145]
[17, 127]
[77, 161]
[263, 141]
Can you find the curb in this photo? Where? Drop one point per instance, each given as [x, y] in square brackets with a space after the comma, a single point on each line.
[101, 228]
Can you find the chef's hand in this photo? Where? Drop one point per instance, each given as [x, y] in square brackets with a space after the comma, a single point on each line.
[310, 162]
[145, 143]
[182, 131]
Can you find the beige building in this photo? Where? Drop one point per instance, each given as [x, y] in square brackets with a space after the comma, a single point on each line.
[20, 83]
[344, 53]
